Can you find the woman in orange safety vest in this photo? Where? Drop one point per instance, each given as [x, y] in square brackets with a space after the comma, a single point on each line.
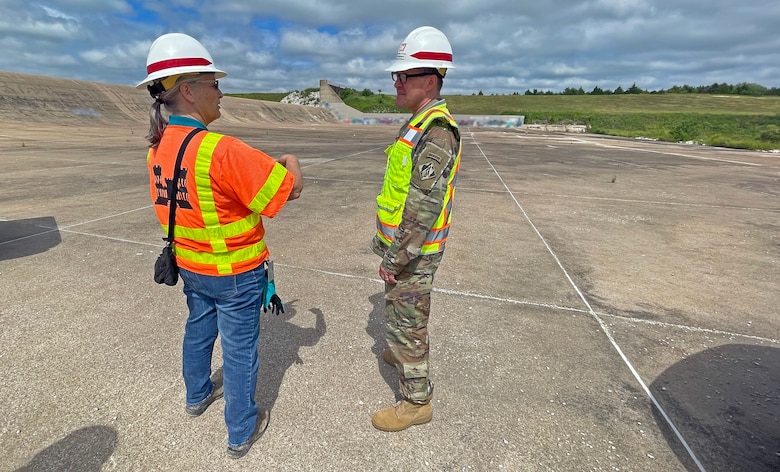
[224, 189]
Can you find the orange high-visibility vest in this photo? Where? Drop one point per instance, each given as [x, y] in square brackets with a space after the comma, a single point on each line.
[395, 189]
[223, 189]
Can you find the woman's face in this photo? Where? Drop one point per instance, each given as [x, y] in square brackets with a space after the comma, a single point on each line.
[207, 97]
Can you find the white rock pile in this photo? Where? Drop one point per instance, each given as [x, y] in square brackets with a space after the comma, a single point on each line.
[303, 98]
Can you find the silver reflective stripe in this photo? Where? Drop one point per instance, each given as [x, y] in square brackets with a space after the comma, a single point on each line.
[437, 236]
[387, 231]
[410, 134]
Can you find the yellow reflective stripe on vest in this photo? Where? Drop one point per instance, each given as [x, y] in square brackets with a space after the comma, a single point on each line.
[396, 184]
[271, 186]
[221, 232]
[208, 206]
[223, 261]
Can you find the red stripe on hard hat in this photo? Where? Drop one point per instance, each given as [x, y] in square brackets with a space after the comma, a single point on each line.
[170, 63]
[433, 56]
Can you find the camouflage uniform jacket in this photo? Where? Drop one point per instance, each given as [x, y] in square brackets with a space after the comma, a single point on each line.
[437, 150]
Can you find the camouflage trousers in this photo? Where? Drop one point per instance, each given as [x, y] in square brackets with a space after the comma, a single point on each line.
[408, 307]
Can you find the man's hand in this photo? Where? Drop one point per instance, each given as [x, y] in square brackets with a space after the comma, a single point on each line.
[387, 276]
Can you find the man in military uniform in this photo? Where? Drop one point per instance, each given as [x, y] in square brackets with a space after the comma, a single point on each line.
[413, 218]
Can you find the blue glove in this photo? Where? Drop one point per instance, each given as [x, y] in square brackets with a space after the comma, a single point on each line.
[271, 300]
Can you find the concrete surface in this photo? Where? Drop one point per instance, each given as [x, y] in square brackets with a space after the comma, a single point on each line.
[603, 304]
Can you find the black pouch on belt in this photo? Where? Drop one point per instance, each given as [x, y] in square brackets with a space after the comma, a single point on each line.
[165, 269]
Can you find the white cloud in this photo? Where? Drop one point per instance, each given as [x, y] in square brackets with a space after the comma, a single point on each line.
[40, 29]
[499, 46]
[51, 12]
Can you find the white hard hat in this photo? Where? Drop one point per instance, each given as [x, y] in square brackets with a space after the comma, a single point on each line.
[174, 54]
[424, 47]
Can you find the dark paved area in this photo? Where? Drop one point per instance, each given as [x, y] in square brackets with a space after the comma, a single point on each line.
[603, 305]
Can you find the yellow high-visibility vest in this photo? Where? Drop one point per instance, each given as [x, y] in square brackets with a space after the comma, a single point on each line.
[395, 189]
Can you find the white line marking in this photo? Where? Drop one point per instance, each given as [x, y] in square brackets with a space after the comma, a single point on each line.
[325, 161]
[481, 296]
[110, 238]
[64, 229]
[30, 236]
[114, 215]
[599, 320]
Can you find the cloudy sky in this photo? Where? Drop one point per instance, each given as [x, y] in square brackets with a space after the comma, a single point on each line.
[500, 46]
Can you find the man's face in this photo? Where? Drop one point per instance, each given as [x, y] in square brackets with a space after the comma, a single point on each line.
[412, 88]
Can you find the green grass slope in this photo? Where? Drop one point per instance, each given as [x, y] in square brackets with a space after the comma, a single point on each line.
[736, 121]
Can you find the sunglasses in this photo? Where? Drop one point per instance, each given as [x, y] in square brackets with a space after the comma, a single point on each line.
[403, 77]
[215, 83]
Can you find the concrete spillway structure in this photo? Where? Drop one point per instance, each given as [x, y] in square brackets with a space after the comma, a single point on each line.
[330, 99]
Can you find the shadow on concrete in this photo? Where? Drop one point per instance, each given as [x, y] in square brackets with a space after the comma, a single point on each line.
[725, 402]
[85, 450]
[280, 341]
[21, 238]
[376, 329]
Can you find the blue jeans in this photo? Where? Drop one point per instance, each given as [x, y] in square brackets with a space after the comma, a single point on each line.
[229, 306]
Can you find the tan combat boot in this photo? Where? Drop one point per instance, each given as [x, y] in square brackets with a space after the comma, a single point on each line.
[402, 415]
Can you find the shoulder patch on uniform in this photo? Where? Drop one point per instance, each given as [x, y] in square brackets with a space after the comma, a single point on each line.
[433, 155]
[427, 171]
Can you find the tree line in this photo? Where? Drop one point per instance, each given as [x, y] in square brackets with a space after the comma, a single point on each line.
[744, 88]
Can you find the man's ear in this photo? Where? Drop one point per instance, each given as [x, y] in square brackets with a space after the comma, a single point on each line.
[433, 82]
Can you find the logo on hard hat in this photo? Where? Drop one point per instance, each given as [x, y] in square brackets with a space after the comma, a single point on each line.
[427, 46]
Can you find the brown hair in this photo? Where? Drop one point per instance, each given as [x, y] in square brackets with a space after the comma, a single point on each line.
[167, 98]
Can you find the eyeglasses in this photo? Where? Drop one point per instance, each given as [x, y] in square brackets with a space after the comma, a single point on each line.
[215, 83]
[403, 77]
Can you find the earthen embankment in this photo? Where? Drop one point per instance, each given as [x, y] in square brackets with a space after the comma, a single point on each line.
[37, 99]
